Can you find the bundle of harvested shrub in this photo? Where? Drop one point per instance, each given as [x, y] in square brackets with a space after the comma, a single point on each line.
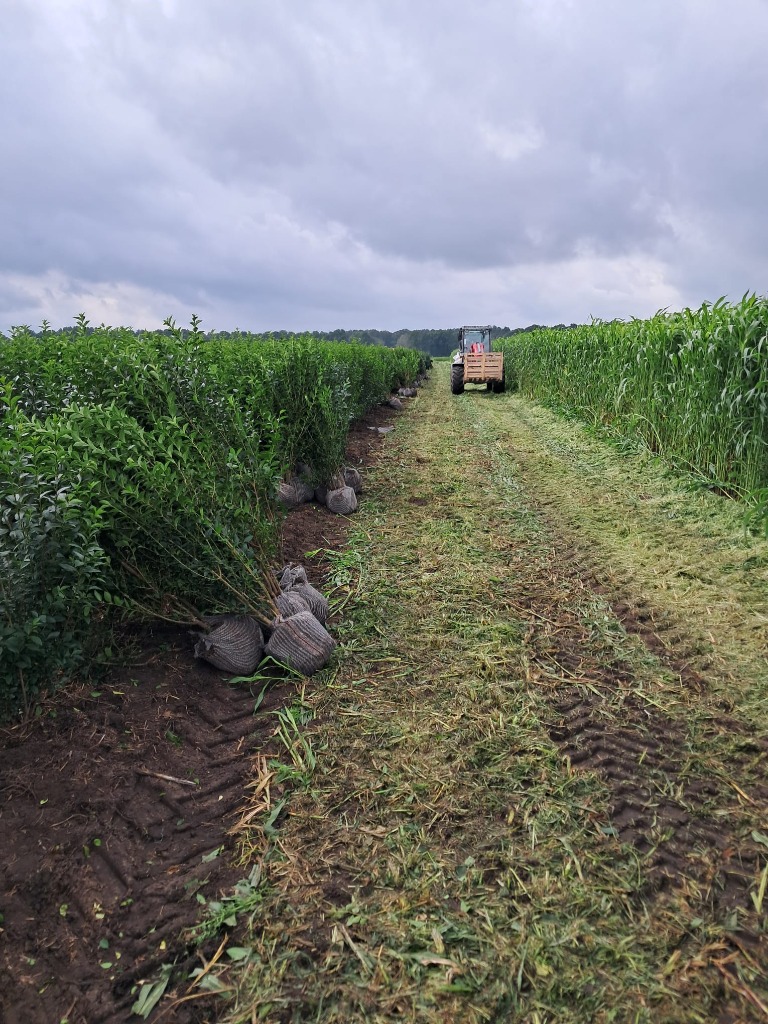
[342, 501]
[235, 644]
[299, 638]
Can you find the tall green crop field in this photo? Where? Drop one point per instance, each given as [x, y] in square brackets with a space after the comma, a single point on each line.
[692, 385]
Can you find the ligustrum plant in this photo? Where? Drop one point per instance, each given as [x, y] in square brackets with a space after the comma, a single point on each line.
[139, 471]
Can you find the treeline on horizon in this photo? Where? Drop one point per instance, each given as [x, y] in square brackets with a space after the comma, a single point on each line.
[433, 341]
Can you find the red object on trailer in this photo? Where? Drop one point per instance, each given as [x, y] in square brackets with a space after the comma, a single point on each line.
[475, 363]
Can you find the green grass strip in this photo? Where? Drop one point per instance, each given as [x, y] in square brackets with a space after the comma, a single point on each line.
[444, 862]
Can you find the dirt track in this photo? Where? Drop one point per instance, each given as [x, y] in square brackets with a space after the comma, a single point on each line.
[543, 764]
[541, 768]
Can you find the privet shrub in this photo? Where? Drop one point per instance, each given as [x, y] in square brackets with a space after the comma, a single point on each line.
[314, 390]
[143, 468]
[53, 572]
[187, 524]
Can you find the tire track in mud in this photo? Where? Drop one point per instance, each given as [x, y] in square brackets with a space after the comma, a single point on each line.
[682, 818]
[673, 823]
[145, 846]
[707, 810]
[685, 822]
[678, 816]
[689, 812]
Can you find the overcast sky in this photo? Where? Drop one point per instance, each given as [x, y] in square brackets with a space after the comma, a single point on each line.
[316, 164]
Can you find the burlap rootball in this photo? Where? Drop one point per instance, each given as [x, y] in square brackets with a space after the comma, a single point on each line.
[291, 574]
[235, 645]
[294, 492]
[353, 479]
[291, 603]
[333, 483]
[313, 599]
[301, 643]
[342, 502]
[293, 580]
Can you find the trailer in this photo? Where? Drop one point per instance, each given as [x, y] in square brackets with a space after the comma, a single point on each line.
[476, 362]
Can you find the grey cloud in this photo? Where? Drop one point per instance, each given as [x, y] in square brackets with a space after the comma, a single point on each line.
[292, 161]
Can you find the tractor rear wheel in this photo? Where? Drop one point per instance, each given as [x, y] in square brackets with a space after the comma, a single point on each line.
[499, 386]
[457, 379]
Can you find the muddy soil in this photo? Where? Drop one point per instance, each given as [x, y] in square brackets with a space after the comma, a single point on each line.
[115, 806]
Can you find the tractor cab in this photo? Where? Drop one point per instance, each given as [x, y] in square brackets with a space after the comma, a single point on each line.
[474, 340]
[475, 362]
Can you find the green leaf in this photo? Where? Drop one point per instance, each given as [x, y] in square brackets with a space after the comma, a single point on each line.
[275, 813]
[210, 983]
[150, 995]
[239, 952]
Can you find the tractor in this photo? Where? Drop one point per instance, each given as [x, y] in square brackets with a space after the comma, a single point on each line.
[475, 363]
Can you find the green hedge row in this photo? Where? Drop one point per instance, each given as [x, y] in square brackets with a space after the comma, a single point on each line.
[141, 471]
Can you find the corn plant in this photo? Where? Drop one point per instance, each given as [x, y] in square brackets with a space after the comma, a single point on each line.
[692, 385]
